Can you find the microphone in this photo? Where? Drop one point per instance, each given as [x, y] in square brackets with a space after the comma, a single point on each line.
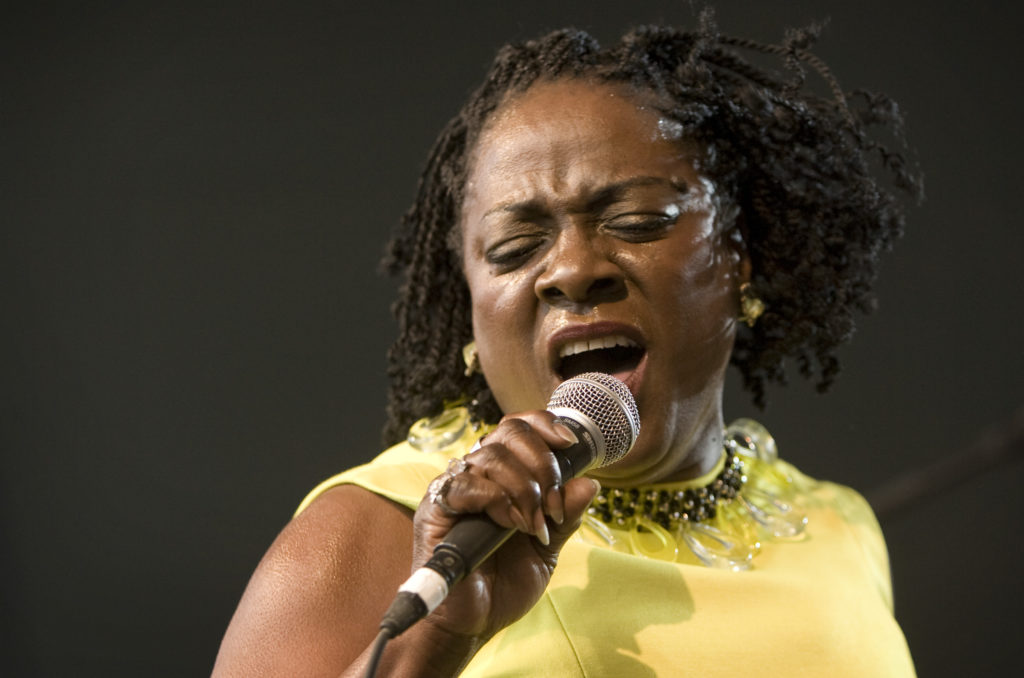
[601, 411]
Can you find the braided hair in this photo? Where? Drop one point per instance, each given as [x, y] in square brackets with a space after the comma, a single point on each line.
[800, 167]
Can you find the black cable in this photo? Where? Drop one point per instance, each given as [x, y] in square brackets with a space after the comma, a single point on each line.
[377, 649]
[406, 609]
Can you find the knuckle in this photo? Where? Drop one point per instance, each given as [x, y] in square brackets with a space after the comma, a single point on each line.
[533, 488]
[544, 467]
[528, 493]
[550, 469]
[513, 426]
[498, 502]
[460, 484]
[487, 460]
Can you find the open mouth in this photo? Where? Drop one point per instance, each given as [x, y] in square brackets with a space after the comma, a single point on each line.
[615, 355]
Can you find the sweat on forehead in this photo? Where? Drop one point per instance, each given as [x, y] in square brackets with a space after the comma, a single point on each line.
[550, 119]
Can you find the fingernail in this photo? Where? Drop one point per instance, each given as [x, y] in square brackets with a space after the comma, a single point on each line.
[554, 502]
[518, 520]
[542, 529]
[565, 433]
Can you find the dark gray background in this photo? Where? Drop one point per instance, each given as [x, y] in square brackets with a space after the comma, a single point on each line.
[194, 199]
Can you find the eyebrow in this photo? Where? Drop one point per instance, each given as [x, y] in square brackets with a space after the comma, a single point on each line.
[600, 197]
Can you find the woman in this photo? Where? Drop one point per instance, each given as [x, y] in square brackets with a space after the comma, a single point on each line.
[654, 210]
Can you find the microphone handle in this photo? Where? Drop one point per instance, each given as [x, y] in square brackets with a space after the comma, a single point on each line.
[475, 537]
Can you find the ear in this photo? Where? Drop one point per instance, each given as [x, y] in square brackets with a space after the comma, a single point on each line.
[746, 269]
[736, 239]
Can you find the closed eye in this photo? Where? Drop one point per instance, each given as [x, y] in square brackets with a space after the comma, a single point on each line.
[514, 251]
[640, 226]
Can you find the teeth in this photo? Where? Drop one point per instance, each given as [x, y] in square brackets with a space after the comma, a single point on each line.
[594, 344]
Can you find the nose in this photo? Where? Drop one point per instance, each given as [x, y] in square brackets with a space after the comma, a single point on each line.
[579, 272]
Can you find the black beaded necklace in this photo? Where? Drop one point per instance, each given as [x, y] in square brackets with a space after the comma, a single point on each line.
[619, 507]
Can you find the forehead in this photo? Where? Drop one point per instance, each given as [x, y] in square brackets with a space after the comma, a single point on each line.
[571, 135]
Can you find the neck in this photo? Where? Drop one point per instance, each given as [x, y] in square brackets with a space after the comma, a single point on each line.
[687, 452]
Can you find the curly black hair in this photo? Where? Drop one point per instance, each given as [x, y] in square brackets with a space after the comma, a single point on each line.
[812, 188]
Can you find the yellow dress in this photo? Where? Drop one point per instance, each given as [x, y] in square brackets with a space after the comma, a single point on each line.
[819, 606]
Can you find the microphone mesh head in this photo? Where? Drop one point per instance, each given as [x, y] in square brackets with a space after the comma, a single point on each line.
[608, 402]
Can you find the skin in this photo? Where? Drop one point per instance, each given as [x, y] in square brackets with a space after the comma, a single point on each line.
[585, 216]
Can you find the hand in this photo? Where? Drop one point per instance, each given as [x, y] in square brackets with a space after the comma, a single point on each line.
[514, 478]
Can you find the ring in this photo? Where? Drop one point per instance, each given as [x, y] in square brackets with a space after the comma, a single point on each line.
[440, 485]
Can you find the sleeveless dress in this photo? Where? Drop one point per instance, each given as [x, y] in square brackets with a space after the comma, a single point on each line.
[819, 605]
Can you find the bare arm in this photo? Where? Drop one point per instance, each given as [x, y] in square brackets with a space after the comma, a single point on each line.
[312, 602]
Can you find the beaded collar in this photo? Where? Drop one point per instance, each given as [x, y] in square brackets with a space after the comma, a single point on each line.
[718, 520]
[670, 506]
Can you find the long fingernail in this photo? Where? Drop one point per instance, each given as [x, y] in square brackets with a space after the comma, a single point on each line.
[542, 529]
[518, 520]
[565, 433]
[554, 504]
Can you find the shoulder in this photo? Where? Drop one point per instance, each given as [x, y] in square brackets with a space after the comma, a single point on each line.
[342, 521]
[314, 600]
[858, 522]
[400, 473]
[863, 525]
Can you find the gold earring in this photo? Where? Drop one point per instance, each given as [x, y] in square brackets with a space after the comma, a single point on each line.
[471, 358]
[751, 306]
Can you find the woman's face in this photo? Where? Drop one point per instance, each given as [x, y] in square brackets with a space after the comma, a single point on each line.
[591, 241]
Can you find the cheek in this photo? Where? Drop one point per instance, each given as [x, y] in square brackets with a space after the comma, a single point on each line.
[697, 288]
[691, 273]
[502, 313]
